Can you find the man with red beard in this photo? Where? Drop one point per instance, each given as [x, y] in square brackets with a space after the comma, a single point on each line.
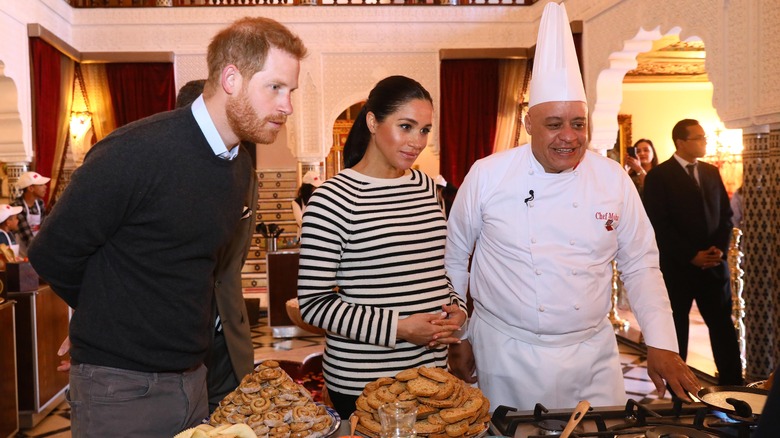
[532, 235]
[133, 243]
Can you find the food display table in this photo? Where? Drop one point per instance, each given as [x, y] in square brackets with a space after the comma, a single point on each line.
[9, 406]
[282, 286]
[42, 320]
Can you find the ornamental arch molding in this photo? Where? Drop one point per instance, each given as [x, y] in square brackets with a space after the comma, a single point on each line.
[613, 37]
[11, 143]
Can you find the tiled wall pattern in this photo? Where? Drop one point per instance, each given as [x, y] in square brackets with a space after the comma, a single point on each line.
[761, 241]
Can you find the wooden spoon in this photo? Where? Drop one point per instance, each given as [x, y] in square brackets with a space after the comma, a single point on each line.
[576, 416]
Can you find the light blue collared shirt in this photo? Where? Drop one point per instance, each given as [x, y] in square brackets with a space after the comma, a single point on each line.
[210, 131]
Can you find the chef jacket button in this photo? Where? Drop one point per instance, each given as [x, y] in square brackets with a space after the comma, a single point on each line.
[533, 240]
[541, 308]
[571, 242]
[538, 272]
[573, 272]
[576, 172]
[577, 307]
[575, 204]
[531, 172]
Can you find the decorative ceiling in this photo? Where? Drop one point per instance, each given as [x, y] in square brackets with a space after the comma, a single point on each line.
[670, 60]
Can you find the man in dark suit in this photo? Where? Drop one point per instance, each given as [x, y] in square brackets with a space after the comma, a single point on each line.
[689, 208]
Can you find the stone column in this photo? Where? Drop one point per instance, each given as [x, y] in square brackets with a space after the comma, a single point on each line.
[14, 171]
[761, 228]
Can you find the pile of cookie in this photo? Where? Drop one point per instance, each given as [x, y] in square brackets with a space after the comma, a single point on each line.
[273, 405]
[446, 406]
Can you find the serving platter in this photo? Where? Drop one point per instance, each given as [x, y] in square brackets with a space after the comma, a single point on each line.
[371, 435]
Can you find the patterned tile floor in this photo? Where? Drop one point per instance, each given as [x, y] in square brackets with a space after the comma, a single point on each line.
[638, 385]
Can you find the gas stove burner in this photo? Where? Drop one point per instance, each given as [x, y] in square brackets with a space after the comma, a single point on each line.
[551, 427]
[634, 420]
[675, 432]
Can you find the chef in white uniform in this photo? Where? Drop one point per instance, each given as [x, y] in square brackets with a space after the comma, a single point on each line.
[544, 222]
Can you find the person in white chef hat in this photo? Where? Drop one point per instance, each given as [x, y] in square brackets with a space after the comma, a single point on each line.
[9, 225]
[310, 181]
[543, 223]
[33, 186]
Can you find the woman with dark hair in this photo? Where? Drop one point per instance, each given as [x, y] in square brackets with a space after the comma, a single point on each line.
[372, 251]
[640, 161]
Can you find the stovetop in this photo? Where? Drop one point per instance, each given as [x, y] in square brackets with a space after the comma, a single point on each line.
[635, 420]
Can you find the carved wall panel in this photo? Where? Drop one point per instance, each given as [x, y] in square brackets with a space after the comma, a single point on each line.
[765, 86]
[739, 36]
[190, 68]
[350, 77]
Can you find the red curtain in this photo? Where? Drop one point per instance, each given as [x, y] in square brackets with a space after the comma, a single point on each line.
[140, 89]
[469, 111]
[46, 85]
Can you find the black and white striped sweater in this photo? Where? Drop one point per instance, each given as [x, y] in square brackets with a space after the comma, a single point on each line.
[381, 243]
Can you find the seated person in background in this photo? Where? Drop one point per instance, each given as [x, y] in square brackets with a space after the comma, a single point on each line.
[309, 182]
[9, 225]
[640, 162]
[33, 186]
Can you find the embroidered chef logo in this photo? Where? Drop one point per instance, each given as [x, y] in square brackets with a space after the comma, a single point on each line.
[611, 220]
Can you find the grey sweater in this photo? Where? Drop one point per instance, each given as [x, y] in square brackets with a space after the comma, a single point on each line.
[132, 243]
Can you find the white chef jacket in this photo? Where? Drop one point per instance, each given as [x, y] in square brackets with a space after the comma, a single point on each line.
[541, 272]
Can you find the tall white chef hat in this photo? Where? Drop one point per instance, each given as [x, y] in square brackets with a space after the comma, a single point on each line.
[556, 75]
